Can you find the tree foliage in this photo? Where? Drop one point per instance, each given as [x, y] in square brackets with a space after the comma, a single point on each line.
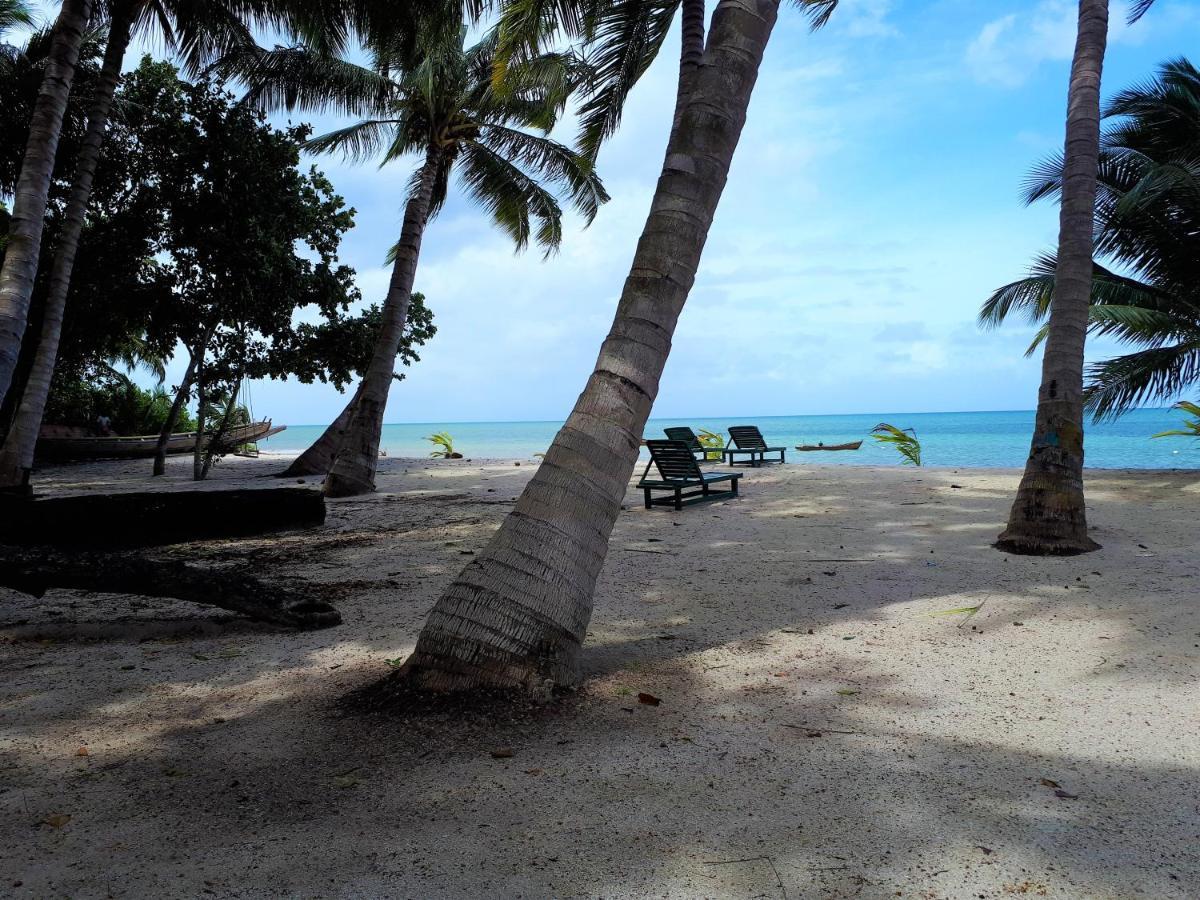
[1146, 293]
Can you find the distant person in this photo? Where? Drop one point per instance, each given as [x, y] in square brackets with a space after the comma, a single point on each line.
[103, 425]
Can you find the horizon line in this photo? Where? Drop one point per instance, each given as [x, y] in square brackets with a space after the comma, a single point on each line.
[960, 412]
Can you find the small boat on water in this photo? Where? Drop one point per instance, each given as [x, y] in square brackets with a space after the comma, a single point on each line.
[57, 443]
[809, 447]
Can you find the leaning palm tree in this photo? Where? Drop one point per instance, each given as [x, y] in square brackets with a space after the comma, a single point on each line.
[445, 107]
[1048, 515]
[516, 616]
[1147, 223]
[33, 186]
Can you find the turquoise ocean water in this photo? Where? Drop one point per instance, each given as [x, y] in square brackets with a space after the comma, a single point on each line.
[986, 439]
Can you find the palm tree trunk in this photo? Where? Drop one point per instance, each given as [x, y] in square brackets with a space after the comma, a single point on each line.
[691, 51]
[16, 455]
[181, 395]
[1048, 515]
[517, 614]
[353, 472]
[33, 185]
[318, 458]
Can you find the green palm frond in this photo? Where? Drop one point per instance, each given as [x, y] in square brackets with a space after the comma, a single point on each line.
[298, 78]
[358, 142]
[444, 442]
[623, 40]
[553, 162]
[1117, 385]
[511, 197]
[14, 12]
[903, 439]
[1191, 427]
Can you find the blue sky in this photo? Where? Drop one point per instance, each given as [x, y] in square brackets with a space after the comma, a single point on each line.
[873, 204]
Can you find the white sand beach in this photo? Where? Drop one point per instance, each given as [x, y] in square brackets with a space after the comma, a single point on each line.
[827, 728]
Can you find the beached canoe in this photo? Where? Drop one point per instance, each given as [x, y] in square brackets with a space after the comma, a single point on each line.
[141, 446]
[808, 447]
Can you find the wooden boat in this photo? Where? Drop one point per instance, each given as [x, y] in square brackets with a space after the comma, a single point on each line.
[808, 447]
[53, 444]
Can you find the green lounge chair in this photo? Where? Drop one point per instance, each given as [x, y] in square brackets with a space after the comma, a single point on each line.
[689, 437]
[678, 472]
[748, 440]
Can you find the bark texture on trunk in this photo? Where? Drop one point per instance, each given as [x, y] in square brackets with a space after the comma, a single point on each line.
[198, 448]
[1048, 515]
[691, 51]
[318, 458]
[210, 452]
[181, 395]
[517, 614]
[16, 454]
[33, 185]
[353, 471]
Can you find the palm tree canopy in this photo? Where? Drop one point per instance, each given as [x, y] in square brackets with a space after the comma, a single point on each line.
[1148, 227]
[14, 12]
[493, 136]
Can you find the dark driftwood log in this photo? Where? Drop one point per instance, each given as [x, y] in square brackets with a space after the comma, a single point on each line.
[36, 570]
[96, 521]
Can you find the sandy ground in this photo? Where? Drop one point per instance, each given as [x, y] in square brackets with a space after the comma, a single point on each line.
[826, 728]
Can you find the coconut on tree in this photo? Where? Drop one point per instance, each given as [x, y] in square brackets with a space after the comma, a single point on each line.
[1146, 293]
[441, 104]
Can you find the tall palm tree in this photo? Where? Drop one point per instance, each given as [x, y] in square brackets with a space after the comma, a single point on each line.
[517, 614]
[1048, 514]
[1147, 222]
[33, 187]
[445, 107]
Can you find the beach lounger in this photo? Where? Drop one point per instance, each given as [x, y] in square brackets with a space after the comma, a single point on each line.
[748, 440]
[687, 436]
[678, 473]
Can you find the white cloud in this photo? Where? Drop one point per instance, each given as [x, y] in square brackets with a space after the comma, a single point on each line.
[1007, 50]
[864, 18]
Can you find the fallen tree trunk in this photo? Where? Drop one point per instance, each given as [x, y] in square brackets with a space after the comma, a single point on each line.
[36, 570]
[99, 521]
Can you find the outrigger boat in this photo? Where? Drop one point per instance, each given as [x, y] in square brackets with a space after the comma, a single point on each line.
[54, 444]
[809, 447]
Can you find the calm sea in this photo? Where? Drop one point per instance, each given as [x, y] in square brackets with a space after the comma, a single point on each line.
[986, 439]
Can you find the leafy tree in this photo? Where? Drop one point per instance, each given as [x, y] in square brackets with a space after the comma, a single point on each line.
[439, 101]
[167, 257]
[195, 30]
[1147, 224]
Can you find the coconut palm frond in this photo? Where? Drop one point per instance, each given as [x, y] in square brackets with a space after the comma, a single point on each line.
[1117, 385]
[623, 40]
[903, 439]
[1191, 427]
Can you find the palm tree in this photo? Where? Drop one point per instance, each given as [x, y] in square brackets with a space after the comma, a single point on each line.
[1147, 222]
[1048, 514]
[33, 187]
[445, 107]
[517, 614]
